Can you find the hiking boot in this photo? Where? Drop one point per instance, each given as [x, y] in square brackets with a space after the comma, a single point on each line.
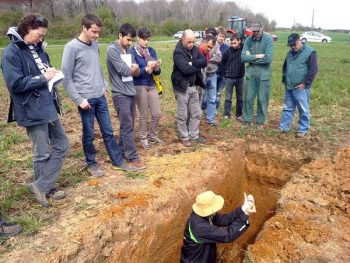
[8, 230]
[246, 125]
[300, 134]
[39, 196]
[95, 170]
[240, 119]
[260, 127]
[56, 194]
[138, 164]
[186, 143]
[157, 140]
[124, 167]
[145, 145]
[199, 140]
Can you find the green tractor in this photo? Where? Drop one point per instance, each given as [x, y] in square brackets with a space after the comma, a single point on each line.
[237, 25]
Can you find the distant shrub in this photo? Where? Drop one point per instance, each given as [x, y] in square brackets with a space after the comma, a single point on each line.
[171, 26]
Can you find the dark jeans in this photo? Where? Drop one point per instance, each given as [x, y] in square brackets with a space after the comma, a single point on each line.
[230, 84]
[126, 109]
[99, 109]
[50, 147]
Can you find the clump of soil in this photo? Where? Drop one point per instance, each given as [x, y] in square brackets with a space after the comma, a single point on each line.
[313, 217]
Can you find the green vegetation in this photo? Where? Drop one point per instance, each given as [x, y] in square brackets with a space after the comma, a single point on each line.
[329, 108]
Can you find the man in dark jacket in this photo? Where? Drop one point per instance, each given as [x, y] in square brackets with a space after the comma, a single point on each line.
[26, 71]
[299, 71]
[205, 227]
[186, 77]
[233, 70]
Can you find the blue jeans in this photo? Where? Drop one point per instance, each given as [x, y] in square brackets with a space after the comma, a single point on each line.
[209, 98]
[125, 107]
[50, 147]
[230, 84]
[220, 85]
[296, 98]
[99, 109]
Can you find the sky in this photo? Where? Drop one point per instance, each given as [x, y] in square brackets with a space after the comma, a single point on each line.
[332, 14]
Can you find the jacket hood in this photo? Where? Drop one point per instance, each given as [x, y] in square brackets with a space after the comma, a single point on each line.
[13, 34]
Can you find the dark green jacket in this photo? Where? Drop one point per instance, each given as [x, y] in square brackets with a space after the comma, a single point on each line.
[297, 67]
[258, 67]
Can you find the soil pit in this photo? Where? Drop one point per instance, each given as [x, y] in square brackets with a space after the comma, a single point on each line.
[118, 219]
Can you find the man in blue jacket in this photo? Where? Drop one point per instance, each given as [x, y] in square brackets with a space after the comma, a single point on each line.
[27, 71]
[299, 71]
[205, 227]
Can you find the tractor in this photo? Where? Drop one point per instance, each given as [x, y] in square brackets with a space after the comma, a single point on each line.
[237, 25]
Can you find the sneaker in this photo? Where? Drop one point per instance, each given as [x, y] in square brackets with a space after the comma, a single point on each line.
[124, 167]
[157, 140]
[260, 127]
[95, 170]
[199, 140]
[240, 119]
[300, 134]
[213, 124]
[8, 230]
[227, 117]
[138, 164]
[145, 145]
[56, 194]
[39, 196]
[279, 130]
[186, 143]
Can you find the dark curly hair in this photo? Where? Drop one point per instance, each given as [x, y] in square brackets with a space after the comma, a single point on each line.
[31, 22]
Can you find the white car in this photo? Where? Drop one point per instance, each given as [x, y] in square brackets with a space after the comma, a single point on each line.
[312, 36]
[178, 34]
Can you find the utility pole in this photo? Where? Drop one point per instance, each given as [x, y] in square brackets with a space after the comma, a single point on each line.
[312, 22]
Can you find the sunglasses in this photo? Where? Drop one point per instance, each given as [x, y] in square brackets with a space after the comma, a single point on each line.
[40, 20]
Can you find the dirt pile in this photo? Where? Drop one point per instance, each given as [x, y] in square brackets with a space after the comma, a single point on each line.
[313, 216]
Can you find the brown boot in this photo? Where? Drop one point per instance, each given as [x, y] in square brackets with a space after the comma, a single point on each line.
[138, 164]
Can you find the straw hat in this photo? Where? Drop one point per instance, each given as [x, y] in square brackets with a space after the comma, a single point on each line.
[207, 203]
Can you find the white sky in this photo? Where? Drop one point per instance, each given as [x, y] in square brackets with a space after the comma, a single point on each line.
[332, 14]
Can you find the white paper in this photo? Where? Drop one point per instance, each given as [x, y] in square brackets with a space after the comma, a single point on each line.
[56, 80]
[127, 59]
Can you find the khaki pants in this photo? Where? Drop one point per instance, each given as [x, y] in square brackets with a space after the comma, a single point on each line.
[147, 100]
[188, 113]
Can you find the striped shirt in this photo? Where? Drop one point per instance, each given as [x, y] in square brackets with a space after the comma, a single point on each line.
[42, 66]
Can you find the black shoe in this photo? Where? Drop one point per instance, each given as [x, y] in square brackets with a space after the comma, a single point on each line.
[39, 196]
[8, 230]
[213, 124]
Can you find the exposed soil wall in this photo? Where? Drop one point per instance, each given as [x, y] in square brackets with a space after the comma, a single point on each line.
[313, 216]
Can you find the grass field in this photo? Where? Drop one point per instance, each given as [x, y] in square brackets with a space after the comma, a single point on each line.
[329, 109]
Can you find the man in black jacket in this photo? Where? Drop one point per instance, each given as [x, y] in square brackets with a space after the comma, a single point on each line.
[233, 70]
[205, 227]
[186, 77]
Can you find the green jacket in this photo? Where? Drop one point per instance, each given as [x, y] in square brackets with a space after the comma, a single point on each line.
[258, 67]
[297, 67]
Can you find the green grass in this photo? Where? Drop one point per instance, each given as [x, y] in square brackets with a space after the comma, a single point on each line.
[329, 109]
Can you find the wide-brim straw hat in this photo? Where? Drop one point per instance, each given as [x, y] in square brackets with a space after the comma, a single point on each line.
[207, 203]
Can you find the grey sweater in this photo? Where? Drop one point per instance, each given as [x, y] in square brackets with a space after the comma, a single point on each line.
[117, 68]
[83, 77]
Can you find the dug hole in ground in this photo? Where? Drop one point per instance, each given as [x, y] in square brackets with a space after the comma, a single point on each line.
[302, 208]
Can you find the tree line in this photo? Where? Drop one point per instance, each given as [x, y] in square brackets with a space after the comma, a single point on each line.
[161, 16]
